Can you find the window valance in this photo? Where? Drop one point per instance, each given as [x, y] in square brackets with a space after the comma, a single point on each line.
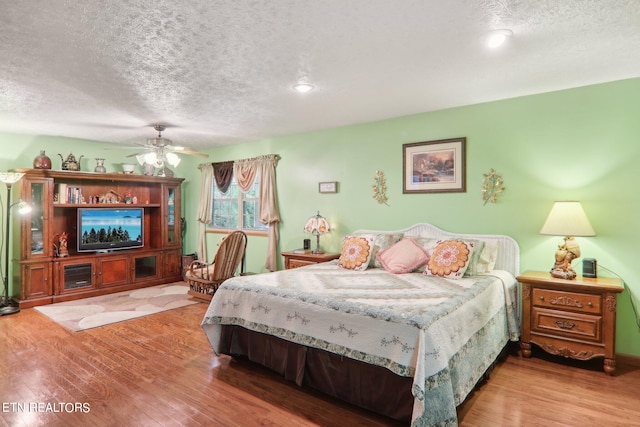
[245, 172]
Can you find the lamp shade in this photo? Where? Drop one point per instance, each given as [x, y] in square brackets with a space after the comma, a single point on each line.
[10, 178]
[317, 225]
[567, 219]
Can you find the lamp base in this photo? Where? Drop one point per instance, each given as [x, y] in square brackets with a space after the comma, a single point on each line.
[10, 309]
[567, 251]
[559, 273]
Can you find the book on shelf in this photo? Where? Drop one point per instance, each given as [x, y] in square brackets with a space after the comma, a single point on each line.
[62, 193]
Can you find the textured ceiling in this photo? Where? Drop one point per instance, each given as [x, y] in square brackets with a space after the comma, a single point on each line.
[221, 72]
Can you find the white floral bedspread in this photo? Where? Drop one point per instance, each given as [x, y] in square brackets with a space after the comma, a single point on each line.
[443, 333]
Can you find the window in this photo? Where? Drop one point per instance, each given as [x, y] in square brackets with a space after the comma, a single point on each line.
[235, 210]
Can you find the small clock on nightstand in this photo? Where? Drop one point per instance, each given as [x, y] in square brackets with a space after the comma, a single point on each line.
[294, 260]
[570, 318]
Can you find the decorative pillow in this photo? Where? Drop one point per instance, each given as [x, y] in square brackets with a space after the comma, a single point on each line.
[477, 246]
[449, 259]
[428, 244]
[356, 252]
[381, 241]
[487, 258]
[403, 257]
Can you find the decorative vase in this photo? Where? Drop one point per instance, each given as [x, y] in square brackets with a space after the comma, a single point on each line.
[148, 169]
[165, 172]
[100, 166]
[42, 161]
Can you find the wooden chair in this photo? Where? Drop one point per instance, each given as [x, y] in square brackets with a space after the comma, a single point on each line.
[205, 278]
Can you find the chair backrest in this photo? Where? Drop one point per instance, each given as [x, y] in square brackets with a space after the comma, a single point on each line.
[229, 255]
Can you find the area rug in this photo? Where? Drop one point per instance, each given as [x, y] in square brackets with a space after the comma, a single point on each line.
[92, 312]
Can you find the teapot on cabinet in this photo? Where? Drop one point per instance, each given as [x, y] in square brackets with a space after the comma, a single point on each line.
[70, 164]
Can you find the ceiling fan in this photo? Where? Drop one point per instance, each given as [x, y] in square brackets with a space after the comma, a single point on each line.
[161, 151]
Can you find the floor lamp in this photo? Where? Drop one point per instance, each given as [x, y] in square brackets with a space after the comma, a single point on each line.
[9, 178]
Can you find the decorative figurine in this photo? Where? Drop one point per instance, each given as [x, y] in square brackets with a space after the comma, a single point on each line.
[566, 252]
[61, 249]
[70, 164]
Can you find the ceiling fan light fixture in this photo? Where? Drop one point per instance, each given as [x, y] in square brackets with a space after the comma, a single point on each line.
[173, 159]
[151, 158]
[161, 152]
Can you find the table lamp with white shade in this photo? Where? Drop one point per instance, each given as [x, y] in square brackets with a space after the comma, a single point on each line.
[567, 219]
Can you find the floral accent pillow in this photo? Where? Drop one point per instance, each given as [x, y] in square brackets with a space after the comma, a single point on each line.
[403, 257]
[450, 259]
[356, 252]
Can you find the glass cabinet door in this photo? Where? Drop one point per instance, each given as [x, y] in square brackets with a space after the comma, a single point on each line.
[35, 224]
[171, 215]
[172, 227]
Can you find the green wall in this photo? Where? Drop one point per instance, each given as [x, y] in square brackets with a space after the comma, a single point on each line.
[579, 144]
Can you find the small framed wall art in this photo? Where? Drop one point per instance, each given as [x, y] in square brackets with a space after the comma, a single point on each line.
[434, 166]
[328, 187]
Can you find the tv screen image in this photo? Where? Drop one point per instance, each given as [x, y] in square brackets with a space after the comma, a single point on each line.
[102, 229]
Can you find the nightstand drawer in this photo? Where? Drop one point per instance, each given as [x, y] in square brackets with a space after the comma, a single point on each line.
[574, 301]
[295, 263]
[295, 260]
[578, 326]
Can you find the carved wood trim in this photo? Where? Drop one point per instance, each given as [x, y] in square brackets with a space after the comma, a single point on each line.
[566, 301]
[611, 302]
[526, 291]
[567, 352]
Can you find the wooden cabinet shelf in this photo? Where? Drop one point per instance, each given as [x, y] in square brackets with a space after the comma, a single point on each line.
[43, 278]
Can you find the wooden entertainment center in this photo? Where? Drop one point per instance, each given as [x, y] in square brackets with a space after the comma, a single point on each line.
[42, 276]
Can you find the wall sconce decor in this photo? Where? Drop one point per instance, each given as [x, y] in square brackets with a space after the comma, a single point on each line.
[380, 188]
[492, 185]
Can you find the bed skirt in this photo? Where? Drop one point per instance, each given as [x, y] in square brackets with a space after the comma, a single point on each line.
[367, 386]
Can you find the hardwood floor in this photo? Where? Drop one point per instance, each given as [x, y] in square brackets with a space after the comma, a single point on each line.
[160, 371]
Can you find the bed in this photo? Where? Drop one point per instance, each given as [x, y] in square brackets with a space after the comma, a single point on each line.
[410, 346]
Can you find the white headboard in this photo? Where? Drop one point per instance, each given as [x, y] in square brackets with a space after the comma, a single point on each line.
[508, 249]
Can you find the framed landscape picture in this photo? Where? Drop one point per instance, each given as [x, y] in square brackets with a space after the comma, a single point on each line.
[434, 166]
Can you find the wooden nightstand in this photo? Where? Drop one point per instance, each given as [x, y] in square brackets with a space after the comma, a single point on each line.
[571, 318]
[293, 260]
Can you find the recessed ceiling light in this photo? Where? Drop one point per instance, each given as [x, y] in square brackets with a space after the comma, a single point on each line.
[497, 38]
[303, 87]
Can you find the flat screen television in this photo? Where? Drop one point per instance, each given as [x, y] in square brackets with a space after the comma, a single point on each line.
[105, 229]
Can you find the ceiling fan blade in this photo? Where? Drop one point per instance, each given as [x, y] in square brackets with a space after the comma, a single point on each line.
[136, 154]
[186, 150]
